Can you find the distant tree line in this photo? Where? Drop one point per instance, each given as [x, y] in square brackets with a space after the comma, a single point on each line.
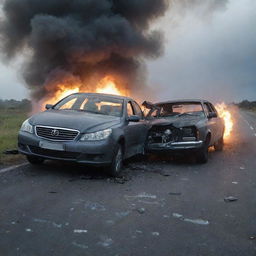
[245, 104]
[24, 105]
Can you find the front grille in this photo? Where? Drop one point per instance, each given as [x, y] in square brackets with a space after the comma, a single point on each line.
[54, 153]
[164, 134]
[56, 133]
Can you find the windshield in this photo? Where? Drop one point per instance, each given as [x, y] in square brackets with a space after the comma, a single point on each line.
[93, 104]
[177, 109]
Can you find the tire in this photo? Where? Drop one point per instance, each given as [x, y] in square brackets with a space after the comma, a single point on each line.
[117, 163]
[35, 160]
[203, 153]
[218, 146]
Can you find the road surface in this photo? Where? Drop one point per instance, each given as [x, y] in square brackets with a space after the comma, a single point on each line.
[161, 207]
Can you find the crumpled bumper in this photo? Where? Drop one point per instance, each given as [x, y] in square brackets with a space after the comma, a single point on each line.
[175, 146]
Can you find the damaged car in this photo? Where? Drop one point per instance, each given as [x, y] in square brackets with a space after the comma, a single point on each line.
[184, 126]
[94, 129]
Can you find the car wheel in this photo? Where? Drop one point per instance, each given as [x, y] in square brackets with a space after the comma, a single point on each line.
[117, 163]
[203, 153]
[35, 160]
[218, 146]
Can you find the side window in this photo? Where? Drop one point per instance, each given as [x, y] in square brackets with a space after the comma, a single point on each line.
[207, 108]
[137, 110]
[213, 109]
[129, 109]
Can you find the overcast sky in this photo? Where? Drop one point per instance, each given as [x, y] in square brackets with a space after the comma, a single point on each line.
[207, 55]
[212, 55]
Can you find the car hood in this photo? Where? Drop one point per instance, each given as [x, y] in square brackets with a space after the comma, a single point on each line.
[82, 121]
[177, 121]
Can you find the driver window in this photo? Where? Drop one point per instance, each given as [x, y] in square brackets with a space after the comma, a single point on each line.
[137, 110]
[129, 109]
[208, 109]
[213, 109]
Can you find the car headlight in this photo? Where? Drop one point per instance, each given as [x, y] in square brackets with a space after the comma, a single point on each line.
[189, 134]
[27, 127]
[100, 135]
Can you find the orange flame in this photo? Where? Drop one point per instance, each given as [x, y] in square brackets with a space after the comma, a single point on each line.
[227, 117]
[107, 86]
[60, 94]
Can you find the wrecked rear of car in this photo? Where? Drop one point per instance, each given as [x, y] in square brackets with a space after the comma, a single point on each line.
[182, 126]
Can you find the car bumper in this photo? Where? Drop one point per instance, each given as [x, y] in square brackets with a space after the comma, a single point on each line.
[93, 153]
[175, 146]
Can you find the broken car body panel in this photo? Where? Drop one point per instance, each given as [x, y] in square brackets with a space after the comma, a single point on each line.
[183, 129]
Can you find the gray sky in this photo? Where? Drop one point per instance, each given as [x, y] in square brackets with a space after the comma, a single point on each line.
[212, 56]
[207, 54]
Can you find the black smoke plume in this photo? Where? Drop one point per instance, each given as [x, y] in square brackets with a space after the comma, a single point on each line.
[81, 41]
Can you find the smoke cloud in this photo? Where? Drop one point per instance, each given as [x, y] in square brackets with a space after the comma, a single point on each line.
[81, 41]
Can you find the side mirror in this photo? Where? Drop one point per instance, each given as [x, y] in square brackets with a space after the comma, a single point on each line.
[48, 106]
[134, 119]
[212, 115]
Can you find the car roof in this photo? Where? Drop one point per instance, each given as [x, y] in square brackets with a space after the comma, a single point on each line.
[182, 101]
[105, 95]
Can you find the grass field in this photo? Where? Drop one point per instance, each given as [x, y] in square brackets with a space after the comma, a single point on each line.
[10, 122]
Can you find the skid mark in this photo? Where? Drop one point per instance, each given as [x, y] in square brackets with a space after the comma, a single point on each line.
[142, 195]
[194, 221]
[146, 198]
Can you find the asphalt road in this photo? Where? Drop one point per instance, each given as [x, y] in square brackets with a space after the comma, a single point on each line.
[162, 207]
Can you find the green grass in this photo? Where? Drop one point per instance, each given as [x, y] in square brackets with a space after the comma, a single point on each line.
[10, 122]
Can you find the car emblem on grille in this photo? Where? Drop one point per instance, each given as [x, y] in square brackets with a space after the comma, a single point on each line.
[55, 133]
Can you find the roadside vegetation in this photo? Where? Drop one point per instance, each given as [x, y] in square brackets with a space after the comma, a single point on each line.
[12, 114]
[247, 105]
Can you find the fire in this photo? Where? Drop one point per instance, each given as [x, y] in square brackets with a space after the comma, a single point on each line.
[60, 94]
[107, 86]
[227, 117]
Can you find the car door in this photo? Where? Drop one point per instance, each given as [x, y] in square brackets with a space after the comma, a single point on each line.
[211, 122]
[129, 131]
[133, 132]
[142, 128]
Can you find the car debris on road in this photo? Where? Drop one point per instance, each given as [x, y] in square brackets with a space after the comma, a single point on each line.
[230, 199]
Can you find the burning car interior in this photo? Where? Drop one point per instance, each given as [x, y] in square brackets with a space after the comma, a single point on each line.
[91, 104]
